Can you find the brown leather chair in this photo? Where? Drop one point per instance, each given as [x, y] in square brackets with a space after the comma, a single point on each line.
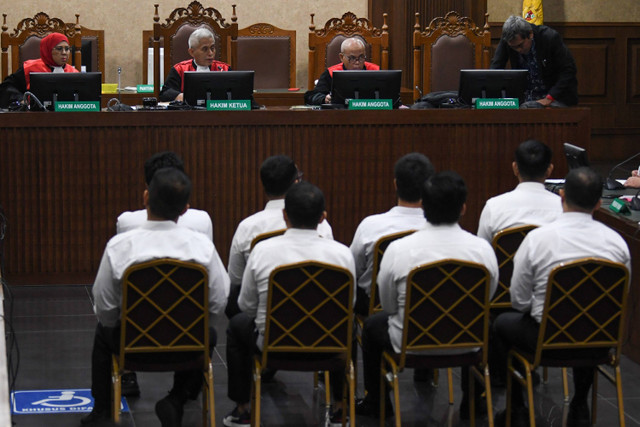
[446, 46]
[174, 34]
[24, 40]
[93, 48]
[324, 44]
[269, 51]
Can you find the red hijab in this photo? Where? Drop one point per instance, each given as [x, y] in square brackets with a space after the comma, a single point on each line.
[46, 47]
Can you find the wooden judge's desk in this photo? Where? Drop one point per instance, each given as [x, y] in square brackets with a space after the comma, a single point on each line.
[629, 228]
[67, 176]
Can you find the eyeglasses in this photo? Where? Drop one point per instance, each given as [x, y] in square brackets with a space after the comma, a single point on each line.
[353, 59]
[62, 48]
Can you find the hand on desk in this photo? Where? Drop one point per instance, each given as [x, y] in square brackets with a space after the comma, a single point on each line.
[633, 181]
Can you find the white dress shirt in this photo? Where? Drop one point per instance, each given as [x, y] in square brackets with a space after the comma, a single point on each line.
[195, 219]
[528, 203]
[430, 244]
[572, 236]
[372, 228]
[269, 219]
[154, 240]
[295, 245]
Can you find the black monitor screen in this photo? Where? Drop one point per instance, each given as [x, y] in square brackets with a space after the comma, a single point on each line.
[199, 87]
[576, 156]
[363, 84]
[492, 84]
[52, 87]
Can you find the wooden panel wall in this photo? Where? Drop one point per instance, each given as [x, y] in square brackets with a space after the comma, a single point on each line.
[608, 60]
[66, 177]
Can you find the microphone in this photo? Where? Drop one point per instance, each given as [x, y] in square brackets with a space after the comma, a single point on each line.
[119, 87]
[635, 202]
[612, 184]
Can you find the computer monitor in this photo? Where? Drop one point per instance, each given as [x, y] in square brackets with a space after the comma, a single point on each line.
[52, 87]
[576, 156]
[199, 87]
[492, 84]
[363, 84]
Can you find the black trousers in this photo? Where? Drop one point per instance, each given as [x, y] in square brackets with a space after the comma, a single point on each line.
[186, 384]
[520, 330]
[241, 348]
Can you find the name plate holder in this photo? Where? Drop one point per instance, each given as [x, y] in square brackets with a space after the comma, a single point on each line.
[75, 106]
[497, 103]
[370, 104]
[619, 206]
[144, 88]
[225, 105]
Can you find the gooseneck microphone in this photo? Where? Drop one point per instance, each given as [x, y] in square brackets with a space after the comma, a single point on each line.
[612, 184]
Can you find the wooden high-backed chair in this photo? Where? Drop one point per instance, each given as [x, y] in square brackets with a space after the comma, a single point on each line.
[24, 41]
[175, 31]
[269, 51]
[324, 44]
[446, 46]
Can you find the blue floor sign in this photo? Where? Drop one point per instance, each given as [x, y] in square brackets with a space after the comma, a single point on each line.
[54, 401]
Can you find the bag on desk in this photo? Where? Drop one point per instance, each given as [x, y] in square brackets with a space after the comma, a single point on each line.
[440, 99]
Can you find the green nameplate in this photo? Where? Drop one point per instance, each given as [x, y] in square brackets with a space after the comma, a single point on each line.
[144, 88]
[619, 206]
[76, 106]
[497, 103]
[241, 104]
[370, 104]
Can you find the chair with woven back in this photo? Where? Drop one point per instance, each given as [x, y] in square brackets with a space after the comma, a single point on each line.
[446, 46]
[173, 36]
[23, 43]
[165, 325]
[447, 308]
[309, 316]
[505, 243]
[584, 309]
[324, 43]
[264, 236]
[269, 51]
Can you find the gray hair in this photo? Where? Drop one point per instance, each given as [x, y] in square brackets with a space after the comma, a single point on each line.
[199, 34]
[347, 42]
[515, 26]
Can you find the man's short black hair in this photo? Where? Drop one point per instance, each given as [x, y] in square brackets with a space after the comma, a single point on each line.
[411, 171]
[277, 174]
[443, 196]
[533, 159]
[169, 193]
[583, 188]
[304, 205]
[163, 159]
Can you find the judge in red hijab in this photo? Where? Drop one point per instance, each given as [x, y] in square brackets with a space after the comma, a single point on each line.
[55, 53]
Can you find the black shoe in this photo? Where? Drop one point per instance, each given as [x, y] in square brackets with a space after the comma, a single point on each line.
[96, 417]
[129, 384]
[422, 375]
[267, 375]
[335, 418]
[481, 409]
[170, 412]
[579, 415]
[367, 408]
[236, 418]
[519, 418]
